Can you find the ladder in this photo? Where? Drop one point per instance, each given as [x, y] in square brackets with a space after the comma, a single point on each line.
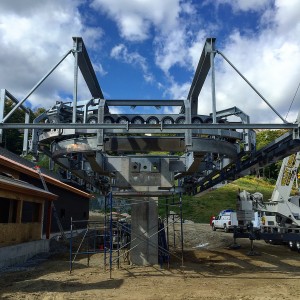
[52, 205]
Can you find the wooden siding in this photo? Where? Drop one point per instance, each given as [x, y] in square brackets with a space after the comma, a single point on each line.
[13, 233]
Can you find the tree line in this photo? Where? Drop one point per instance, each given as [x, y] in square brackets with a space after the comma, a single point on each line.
[13, 138]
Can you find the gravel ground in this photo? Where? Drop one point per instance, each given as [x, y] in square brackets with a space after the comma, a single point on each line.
[210, 270]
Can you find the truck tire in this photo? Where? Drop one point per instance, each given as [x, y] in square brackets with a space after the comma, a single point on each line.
[92, 119]
[213, 227]
[226, 229]
[292, 245]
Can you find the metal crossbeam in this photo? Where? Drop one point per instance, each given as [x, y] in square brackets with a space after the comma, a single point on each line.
[143, 102]
[148, 126]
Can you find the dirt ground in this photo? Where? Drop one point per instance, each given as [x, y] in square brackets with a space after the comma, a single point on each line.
[210, 271]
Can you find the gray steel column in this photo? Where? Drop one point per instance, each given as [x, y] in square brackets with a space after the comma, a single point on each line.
[100, 121]
[25, 138]
[2, 102]
[85, 111]
[213, 88]
[188, 120]
[247, 136]
[75, 89]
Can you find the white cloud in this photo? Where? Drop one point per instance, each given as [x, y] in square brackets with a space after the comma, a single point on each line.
[179, 91]
[175, 40]
[34, 35]
[120, 52]
[176, 91]
[270, 60]
[245, 5]
[170, 50]
[99, 69]
[135, 17]
[287, 16]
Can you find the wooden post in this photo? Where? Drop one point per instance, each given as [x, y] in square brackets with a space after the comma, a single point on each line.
[49, 219]
[19, 211]
[10, 212]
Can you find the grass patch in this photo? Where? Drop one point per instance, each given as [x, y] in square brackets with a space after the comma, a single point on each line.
[200, 208]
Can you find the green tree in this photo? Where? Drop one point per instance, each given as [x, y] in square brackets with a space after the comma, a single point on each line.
[263, 138]
[13, 138]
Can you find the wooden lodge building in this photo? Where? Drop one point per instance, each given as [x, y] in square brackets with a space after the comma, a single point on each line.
[25, 206]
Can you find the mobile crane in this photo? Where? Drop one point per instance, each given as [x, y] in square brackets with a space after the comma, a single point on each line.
[280, 216]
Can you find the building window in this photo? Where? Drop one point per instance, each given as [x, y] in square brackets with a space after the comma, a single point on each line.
[62, 213]
[31, 212]
[8, 210]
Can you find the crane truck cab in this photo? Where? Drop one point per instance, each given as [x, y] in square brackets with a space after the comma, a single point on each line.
[226, 220]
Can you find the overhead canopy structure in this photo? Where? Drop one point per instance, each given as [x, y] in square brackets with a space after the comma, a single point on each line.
[207, 143]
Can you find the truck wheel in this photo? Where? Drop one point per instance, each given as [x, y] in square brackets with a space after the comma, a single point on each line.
[226, 228]
[213, 227]
[292, 245]
[92, 120]
[298, 246]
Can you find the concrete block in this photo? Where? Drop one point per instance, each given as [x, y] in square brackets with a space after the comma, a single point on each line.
[16, 254]
[144, 237]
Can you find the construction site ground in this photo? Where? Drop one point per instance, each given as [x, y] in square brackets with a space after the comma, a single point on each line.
[210, 270]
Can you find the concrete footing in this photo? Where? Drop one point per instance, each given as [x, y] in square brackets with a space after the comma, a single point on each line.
[16, 254]
[144, 237]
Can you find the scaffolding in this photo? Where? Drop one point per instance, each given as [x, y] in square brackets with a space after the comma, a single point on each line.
[171, 220]
[111, 236]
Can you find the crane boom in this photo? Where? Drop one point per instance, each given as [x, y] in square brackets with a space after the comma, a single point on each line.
[284, 208]
[286, 178]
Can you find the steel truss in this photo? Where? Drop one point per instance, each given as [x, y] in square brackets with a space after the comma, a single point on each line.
[81, 137]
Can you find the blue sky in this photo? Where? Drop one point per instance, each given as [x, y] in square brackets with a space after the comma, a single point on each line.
[149, 49]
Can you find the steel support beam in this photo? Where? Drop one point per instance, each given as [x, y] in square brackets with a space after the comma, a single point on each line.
[26, 134]
[87, 69]
[77, 48]
[213, 86]
[201, 74]
[2, 105]
[100, 132]
[254, 89]
[35, 87]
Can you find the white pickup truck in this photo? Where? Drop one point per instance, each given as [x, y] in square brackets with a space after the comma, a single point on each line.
[226, 220]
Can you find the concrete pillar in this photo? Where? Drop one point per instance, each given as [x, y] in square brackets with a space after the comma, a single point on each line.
[144, 227]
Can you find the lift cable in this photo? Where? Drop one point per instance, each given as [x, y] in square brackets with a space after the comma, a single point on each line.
[292, 100]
